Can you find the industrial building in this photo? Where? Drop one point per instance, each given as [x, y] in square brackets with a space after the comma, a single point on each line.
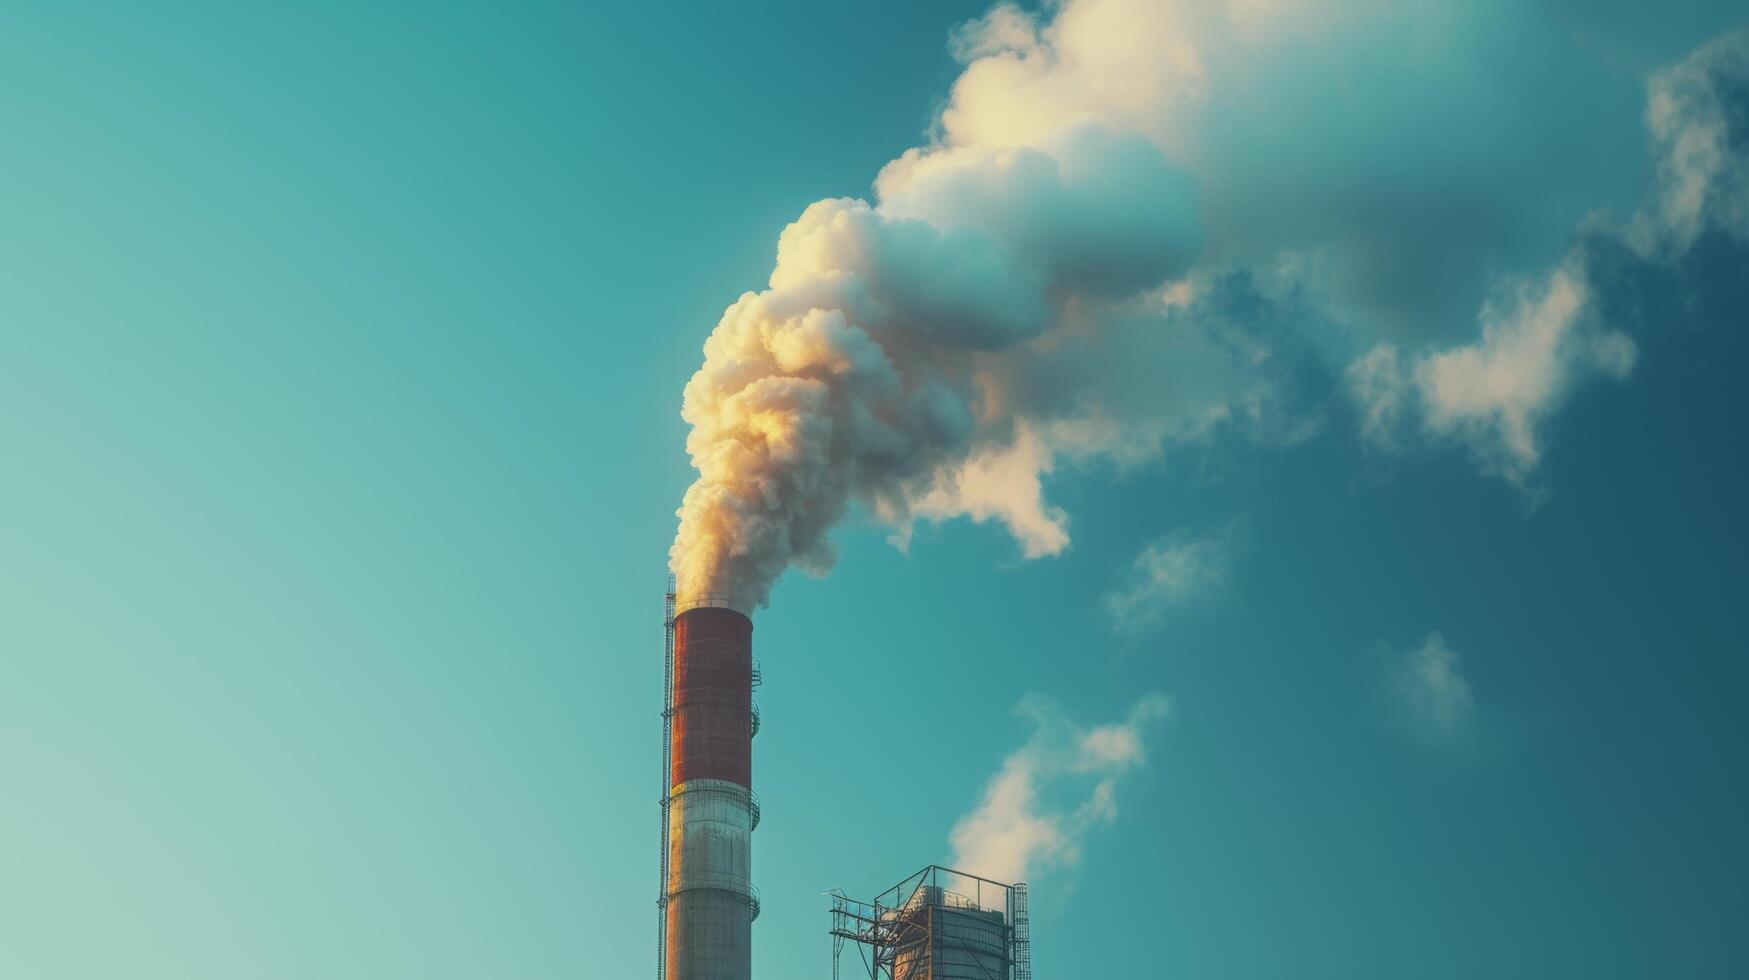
[938, 924]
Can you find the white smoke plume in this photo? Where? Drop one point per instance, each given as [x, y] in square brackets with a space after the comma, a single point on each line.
[883, 357]
[1039, 285]
[927, 355]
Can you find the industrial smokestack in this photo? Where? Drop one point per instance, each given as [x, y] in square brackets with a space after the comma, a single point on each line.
[708, 899]
[999, 303]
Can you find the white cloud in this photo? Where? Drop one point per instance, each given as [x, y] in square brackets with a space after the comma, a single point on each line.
[1698, 138]
[1167, 574]
[1051, 792]
[1381, 387]
[1495, 394]
[1431, 684]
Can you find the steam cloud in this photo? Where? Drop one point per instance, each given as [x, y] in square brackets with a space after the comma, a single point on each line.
[881, 357]
[925, 355]
[1051, 278]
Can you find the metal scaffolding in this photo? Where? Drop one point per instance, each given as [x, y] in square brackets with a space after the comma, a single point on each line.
[938, 924]
[667, 775]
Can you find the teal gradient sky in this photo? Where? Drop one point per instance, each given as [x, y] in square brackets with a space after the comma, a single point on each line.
[341, 349]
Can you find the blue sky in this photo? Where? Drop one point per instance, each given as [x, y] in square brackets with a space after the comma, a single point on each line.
[341, 360]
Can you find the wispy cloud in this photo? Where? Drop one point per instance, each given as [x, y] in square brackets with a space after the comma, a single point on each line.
[1052, 791]
[1430, 682]
[1543, 337]
[1699, 130]
[1494, 395]
[1169, 573]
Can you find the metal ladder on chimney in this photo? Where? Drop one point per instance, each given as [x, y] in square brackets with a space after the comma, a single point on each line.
[1021, 954]
[667, 774]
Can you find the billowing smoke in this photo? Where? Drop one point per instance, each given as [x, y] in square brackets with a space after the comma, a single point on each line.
[924, 355]
[1121, 201]
[886, 354]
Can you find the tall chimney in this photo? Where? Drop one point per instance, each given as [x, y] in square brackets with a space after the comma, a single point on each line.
[709, 900]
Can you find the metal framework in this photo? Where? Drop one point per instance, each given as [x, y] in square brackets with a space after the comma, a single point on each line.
[667, 775]
[937, 924]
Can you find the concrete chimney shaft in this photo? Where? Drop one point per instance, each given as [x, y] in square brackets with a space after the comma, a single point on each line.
[711, 809]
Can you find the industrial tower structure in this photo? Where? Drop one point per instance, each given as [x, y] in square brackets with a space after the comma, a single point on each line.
[707, 903]
[938, 924]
